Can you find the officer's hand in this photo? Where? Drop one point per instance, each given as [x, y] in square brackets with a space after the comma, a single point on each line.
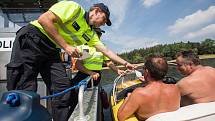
[121, 72]
[94, 75]
[72, 51]
[129, 66]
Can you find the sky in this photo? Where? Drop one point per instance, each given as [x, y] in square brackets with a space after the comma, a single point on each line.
[146, 23]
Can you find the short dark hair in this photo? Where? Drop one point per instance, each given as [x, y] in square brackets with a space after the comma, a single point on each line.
[189, 56]
[157, 66]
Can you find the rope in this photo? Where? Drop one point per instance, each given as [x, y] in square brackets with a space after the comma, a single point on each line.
[83, 82]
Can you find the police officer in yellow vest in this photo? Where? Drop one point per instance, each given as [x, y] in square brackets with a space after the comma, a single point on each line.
[36, 49]
[91, 67]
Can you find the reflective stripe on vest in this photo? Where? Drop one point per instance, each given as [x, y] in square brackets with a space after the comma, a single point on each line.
[96, 63]
[100, 56]
[93, 65]
[72, 35]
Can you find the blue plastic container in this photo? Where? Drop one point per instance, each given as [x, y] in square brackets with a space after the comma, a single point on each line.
[19, 105]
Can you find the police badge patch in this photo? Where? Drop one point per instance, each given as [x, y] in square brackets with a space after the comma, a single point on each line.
[76, 26]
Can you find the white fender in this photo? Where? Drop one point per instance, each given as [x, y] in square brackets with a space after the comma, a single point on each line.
[195, 112]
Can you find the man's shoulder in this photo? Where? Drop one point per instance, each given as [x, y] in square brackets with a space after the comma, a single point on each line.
[184, 85]
[197, 75]
[184, 81]
[143, 95]
[208, 68]
[140, 91]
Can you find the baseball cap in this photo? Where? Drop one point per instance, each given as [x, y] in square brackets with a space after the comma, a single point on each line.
[105, 9]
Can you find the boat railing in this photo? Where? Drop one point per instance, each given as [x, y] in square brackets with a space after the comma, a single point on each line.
[81, 116]
[116, 81]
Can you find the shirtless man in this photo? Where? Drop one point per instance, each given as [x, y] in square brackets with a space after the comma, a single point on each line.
[199, 84]
[156, 97]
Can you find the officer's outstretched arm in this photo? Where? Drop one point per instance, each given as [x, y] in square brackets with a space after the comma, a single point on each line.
[114, 57]
[47, 21]
[111, 65]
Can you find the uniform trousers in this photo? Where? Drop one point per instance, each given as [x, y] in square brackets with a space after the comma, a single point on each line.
[33, 53]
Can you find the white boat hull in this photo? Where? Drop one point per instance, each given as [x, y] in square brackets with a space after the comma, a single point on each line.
[195, 112]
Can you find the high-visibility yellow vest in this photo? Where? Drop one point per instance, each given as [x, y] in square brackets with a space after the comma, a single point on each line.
[96, 60]
[73, 26]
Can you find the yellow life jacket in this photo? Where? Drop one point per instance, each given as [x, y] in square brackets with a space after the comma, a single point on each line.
[96, 60]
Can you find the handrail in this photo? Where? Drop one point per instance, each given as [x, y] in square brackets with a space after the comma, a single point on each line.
[114, 88]
[116, 81]
[81, 116]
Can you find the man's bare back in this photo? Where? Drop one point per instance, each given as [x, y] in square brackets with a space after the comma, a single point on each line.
[199, 86]
[155, 98]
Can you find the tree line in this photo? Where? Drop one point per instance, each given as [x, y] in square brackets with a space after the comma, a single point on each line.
[169, 50]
